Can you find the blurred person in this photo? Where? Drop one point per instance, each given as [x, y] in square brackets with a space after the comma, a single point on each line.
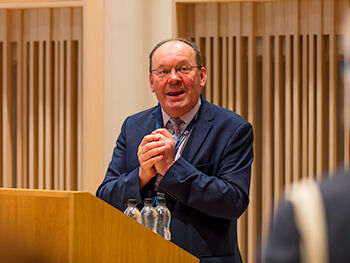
[195, 153]
[312, 223]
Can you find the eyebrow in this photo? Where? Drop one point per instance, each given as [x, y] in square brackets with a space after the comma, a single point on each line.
[179, 63]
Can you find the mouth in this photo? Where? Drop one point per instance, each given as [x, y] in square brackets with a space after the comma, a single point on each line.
[175, 93]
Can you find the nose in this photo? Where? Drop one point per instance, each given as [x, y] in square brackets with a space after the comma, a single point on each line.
[174, 76]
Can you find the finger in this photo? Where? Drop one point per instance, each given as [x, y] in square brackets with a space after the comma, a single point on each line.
[159, 130]
[152, 161]
[149, 148]
[164, 132]
[167, 138]
[150, 138]
[144, 156]
[150, 145]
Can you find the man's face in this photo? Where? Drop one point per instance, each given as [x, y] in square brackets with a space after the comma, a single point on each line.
[177, 93]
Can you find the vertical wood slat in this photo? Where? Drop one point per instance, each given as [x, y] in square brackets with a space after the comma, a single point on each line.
[41, 57]
[305, 107]
[311, 110]
[48, 115]
[33, 92]
[77, 21]
[224, 72]
[2, 38]
[33, 150]
[223, 59]
[239, 106]
[240, 80]
[296, 97]
[61, 116]
[19, 104]
[69, 133]
[7, 119]
[48, 109]
[333, 94]
[267, 130]
[71, 127]
[288, 111]
[44, 33]
[208, 62]
[216, 83]
[74, 120]
[56, 66]
[212, 13]
[69, 114]
[278, 122]
[241, 71]
[1, 130]
[234, 11]
[25, 100]
[231, 73]
[252, 118]
[320, 100]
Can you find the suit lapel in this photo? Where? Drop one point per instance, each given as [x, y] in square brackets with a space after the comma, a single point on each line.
[152, 124]
[199, 132]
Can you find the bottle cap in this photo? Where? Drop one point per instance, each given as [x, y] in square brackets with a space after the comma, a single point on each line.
[161, 201]
[148, 201]
[131, 201]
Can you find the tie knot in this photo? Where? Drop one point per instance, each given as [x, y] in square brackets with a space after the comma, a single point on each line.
[175, 123]
[176, 132]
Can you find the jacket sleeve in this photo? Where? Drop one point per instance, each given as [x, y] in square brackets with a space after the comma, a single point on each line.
[119, 185]
[218, 189]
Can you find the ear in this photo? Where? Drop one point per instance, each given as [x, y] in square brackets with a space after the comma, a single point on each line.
[150, 79]
[203, 76]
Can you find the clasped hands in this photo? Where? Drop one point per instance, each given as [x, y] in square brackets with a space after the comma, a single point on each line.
[156, 153]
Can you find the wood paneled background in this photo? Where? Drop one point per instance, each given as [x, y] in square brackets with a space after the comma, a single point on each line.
[41, 98]
[279, 65]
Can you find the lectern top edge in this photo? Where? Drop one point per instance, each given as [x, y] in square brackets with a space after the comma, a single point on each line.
[36, 192]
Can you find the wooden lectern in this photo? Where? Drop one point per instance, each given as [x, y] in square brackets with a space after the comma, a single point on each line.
[67, 226]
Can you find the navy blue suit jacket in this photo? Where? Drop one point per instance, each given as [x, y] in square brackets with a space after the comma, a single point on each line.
[207, 188]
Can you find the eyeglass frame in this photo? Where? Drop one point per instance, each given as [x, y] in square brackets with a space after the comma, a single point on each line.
[177, 70]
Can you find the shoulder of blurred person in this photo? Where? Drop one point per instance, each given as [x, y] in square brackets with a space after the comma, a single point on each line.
[336, 200]
[286, 239]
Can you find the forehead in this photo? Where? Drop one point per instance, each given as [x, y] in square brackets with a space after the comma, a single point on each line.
[173, 51]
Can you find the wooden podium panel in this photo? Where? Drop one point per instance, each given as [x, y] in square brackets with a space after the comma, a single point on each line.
[68, 226]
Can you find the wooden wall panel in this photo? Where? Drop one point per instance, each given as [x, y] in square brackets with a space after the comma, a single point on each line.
[41, 98]
[333, 91]
[294, 101]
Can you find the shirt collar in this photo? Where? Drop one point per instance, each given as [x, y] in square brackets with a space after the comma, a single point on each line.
[186, 118]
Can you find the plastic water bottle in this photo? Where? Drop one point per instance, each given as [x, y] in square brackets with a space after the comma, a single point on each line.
[132, 211]
[149, 215]
[163, 226]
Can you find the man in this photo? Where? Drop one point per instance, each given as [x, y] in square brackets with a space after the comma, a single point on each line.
[312, 224]
[205, 174]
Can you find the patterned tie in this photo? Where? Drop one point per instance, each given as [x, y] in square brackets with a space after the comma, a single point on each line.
[176, 132]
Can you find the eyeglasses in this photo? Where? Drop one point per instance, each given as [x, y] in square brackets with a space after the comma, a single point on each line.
[165, 72]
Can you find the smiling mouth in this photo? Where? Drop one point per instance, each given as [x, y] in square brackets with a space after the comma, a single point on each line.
[175, 93]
